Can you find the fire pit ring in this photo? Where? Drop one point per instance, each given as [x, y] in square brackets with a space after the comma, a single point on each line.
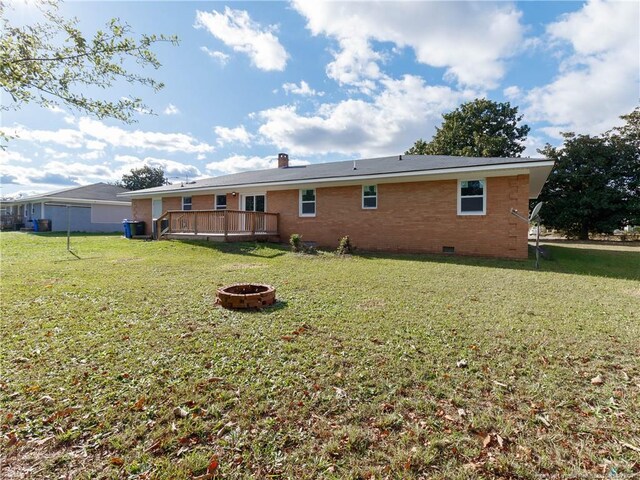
[246, 295]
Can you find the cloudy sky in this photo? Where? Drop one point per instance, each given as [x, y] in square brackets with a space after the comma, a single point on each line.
[329, 81]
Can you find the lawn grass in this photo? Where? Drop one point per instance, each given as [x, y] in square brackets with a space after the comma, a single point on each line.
[352, 374]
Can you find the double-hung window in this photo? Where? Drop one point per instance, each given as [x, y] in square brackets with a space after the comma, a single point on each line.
[472, 197]
[186, 203]
[221, 202]
[369, 196]
[308, 203]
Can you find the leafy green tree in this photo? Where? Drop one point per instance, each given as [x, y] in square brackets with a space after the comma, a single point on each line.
[51, 62]
[144, 177]
[595, 184]
[482, 128]
[419, 148]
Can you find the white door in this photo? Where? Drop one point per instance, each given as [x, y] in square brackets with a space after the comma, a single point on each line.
[156, 208]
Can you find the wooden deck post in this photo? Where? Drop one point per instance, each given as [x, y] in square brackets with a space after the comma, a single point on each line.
[195, 223]
[226, 226]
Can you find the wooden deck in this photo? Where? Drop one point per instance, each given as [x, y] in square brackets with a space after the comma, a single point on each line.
[218, 225]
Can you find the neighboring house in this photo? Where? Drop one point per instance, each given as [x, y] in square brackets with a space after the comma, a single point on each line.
[91, 208]
[405, 203]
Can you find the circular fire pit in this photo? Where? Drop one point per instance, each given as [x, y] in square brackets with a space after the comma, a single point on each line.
[246, 295]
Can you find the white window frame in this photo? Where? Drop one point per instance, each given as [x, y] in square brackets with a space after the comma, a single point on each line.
[315, 203]
[215, 201]
[190, 203]
[484, 196]
[363, 197]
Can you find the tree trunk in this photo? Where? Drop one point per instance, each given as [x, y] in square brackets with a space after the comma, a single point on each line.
[584, 232]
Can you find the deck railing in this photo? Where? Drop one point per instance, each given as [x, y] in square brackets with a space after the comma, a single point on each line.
[217, 222]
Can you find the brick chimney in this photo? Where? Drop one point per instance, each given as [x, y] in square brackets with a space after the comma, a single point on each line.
[283, 160]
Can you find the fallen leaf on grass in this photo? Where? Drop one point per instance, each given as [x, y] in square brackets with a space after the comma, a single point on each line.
[13, 439]
[155, 446]
[212, 468]
[486, 441]
[286, 338]
[462, 363]
[139, 405]
[213, 464]
[65, 412]
[117, 461]
[597, 380]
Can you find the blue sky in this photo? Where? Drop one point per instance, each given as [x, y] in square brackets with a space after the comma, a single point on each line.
[328, 81]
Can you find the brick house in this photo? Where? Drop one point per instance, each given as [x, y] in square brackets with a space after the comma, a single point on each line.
[405, 203]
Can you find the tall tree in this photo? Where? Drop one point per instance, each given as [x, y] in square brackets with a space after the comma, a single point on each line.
[52, 62]
[144, 177]
[595, 184]
[482, 128]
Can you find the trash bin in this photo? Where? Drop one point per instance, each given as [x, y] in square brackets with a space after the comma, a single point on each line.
[127, 228]
[35, 225]
[44, 225]
[137, 228]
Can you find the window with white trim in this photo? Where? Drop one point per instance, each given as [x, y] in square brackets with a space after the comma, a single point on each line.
[221, 202]
[369, 196]
[308, 203]
[472, 197]
[186, 203]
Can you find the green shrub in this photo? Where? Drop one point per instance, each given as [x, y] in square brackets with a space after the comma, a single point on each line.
[345, 247]
[296, 243]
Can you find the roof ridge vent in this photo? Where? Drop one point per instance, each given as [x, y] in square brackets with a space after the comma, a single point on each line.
[354, 165]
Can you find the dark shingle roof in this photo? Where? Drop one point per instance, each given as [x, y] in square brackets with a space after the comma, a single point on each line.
[97, 191]
[365, 167]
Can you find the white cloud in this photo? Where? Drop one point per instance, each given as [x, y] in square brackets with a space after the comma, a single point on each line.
[470, 40]
[241, 163]
[221, 57]
[54, 174]
[171, 110]
[95, 145]
[56, 109]
[237, 30]
[12, 157]
[599, 80]
[303, 89]
[64, 136]
[92, 155]
[173, 170]
[145, 140]
[232, 135]
[51, 153]
[513, 92]
[405, 110]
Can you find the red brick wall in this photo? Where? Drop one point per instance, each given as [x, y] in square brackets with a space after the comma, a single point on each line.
[203, 202]
[412, 217]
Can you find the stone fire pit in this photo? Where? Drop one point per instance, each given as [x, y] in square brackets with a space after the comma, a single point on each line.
[246, 295]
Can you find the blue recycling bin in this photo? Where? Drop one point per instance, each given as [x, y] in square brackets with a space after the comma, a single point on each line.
[35, 225]
[127, 228]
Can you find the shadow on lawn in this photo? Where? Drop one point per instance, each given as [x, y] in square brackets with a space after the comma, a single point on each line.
[252, 249]
[623, 265]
